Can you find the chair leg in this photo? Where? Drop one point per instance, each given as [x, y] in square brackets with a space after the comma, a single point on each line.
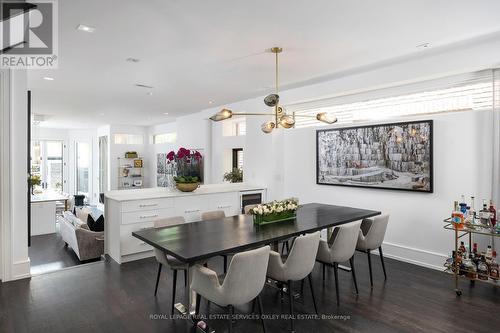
[336, 271]
[261, 313]
[231, 315]
[185, 278]
[174, 287]
[302, 287]
[312, 292]
[290, 299]
[351, 261]
[158, 278]
[198, 301]
[225, 263]
[324, 271]
[382, 260]
[370, 267]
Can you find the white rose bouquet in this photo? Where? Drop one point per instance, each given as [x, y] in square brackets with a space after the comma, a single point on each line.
[275, 211]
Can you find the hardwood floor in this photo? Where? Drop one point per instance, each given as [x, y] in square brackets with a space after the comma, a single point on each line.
[111, 298]
[48, 253]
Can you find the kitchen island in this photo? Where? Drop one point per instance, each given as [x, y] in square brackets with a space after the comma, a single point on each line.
[127, 211]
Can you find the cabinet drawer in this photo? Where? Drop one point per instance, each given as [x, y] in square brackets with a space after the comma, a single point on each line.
[228, 202]
[146, 215]
[191, 207]
[128, 243]
[137, 205]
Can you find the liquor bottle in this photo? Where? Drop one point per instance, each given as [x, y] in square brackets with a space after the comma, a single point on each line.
[482, 269]
[457, 217]
[474, 249]
[472, 212]
[493, 213]
[462, 251]
[489, 254]
[463, 205]
[494, 269]
[485, 215]
[471, 269]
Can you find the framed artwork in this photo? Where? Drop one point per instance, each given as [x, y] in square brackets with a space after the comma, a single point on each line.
[138, 163]
[395, 156]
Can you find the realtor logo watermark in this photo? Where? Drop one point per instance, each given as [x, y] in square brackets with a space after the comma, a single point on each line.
[28, 34]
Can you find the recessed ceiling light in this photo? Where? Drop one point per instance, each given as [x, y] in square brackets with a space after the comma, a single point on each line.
[101, 114]
[423, 45]
[48, 78]
[210, 102]
[150, 93]
[86, 28]
[165, 113]
[135, 60]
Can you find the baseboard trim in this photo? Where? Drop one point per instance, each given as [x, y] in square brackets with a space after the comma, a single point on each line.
[414, 256]
[21, 269]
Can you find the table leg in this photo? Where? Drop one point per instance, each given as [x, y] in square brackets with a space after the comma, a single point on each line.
[65, 204]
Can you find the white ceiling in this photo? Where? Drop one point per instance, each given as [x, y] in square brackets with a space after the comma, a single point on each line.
[194, 52]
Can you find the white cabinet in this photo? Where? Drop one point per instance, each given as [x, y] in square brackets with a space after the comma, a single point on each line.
[228, 202]
[191, 207]
[122, 217]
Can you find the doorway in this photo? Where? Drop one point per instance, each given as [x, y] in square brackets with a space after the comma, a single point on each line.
[47, 165]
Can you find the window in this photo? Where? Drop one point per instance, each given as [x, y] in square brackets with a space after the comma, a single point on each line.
[47, 163]
[238, 158]
[165, 138]
[473, 91]
[82, 168]
[129, 139]
[234, 127]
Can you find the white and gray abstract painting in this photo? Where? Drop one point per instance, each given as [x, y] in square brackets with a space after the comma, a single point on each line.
[389, 156]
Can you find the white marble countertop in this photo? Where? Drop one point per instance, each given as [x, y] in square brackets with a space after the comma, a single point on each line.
[161, 192]
[48, 195]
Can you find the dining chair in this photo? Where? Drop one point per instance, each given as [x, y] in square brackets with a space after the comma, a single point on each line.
[371, 236]
[247, 208]
[164, 259]
[339, 248]
[298, 265]
[213, 215]
[242, 284]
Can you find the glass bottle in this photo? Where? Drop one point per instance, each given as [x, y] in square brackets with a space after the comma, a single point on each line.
[484, 215]
[493, 214]
[463, 205]
[494, 269]
[482, 269]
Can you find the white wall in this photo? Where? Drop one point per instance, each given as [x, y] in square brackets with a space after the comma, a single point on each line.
[462, 165]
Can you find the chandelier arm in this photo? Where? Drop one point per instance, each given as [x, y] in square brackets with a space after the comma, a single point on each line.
[304, 116]
[252, 114]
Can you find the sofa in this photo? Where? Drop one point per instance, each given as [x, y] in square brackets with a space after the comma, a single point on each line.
[85, 243]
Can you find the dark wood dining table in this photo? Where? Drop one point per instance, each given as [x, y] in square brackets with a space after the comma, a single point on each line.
[197, 241]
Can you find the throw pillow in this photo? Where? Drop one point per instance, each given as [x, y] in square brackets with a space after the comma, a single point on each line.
[95, 225]
[82, 213]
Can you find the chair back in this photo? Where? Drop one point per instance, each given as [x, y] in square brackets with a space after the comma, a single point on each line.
[302, 257]
[246, 276]
[169, 221]
[213, 215]
[344, 244]
[376, 232]
[161, 257]
[247, 208]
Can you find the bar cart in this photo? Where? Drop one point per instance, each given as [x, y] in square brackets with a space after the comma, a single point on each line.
[467, 230]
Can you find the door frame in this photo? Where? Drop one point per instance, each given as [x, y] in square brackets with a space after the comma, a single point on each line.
[5, 207]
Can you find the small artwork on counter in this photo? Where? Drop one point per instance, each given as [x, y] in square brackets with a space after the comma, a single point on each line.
[161, 170]
[394, 156]
[138, 163]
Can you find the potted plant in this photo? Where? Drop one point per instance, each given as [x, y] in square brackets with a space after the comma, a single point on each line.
[188, 178]
[275, 211]
[34, 180]
[235, 176]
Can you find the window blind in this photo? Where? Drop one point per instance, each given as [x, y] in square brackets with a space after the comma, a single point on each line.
[465, 92]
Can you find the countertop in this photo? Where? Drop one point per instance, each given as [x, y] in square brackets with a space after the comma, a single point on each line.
[47, 196]
[161, 192]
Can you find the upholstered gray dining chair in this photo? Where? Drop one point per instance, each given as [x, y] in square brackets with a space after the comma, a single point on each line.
[297, 266]
[243, 282]
[339, 248]
[167, 260]
[371, 237]
[247, 208]
[214, 215]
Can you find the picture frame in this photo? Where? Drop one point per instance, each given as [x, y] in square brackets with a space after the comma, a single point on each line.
[390, 156]
[138, 163]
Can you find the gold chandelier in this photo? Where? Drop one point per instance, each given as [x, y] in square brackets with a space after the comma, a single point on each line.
[280, 116]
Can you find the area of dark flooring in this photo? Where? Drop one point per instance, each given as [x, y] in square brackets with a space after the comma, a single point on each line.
[112, 298]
